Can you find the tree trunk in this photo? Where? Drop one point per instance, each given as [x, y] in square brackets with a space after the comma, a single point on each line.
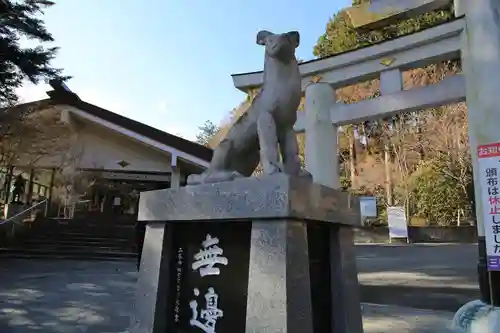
[421, 151]
[388, 176]
[352, 161]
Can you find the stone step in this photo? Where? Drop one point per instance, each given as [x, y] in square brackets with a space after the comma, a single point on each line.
[55, 253]
[83, 236]
[76, 247]
[72, 242]
[98, 233]
[60, 256]
[82, 241]
[73, 224]
[95, 229]
[75, 239]
[84, 230]
[94, 223]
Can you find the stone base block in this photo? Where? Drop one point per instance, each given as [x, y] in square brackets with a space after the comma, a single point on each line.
[273, 254]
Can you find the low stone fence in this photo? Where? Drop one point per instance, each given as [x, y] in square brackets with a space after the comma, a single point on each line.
[465, 234]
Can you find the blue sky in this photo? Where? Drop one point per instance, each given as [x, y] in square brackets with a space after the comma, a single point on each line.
[168, 63]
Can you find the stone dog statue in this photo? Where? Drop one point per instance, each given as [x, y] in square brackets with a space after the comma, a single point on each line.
[268, 122]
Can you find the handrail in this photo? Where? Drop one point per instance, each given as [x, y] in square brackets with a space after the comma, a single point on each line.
[71, 206]
[81, 201]
[24, 211]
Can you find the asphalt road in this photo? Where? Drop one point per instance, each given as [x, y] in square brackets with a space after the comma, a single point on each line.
[96, 297]
[426, 276]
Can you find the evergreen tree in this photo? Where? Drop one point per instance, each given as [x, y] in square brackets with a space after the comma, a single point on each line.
[22, 18]
[206, 132]
[340, 36]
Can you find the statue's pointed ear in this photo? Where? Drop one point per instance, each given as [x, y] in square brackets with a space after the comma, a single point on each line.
[295, 37]
[262, 35]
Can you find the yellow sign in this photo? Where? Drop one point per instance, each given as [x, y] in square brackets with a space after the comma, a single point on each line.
[316, 79]
[387, 61]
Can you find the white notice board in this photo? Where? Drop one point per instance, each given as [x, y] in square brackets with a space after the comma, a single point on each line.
[368, 206]
[396, 218]
[489, 168]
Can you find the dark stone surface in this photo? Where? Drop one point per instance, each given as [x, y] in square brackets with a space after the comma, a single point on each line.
[276, 196]
[170, 249]
[227, 279]
[333, 273]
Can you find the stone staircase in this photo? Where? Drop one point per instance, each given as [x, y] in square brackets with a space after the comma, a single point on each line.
[74, 239]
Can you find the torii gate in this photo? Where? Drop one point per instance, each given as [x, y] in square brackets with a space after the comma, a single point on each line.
[474, 36]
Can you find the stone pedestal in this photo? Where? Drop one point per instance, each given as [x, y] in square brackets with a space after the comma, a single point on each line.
[252, 255]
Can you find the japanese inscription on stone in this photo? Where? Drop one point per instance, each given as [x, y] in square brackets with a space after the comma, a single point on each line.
[206, 318]
[489, 164]
[178, 271]
[209, 257]
[209, 277]
[206, 261]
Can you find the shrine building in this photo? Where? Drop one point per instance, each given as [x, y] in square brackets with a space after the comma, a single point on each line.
[113, 159]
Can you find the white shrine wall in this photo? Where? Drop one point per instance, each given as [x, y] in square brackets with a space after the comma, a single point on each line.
[93, 146]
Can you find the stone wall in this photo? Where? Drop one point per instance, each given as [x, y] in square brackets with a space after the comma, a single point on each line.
[466, 234]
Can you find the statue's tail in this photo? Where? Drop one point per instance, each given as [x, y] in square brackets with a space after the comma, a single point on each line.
[213, 177]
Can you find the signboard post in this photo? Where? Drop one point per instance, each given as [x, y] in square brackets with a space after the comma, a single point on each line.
[489, 168]
[396, 219]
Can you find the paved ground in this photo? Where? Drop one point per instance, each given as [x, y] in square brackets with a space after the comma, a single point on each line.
[439, 277]
[65, 296]
[395, 319]
[96, 297]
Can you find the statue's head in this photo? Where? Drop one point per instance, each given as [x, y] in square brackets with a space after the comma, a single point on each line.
[279, 46]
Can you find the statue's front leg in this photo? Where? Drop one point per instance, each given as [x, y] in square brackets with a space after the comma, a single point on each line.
[290, 151]
[268, 142]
